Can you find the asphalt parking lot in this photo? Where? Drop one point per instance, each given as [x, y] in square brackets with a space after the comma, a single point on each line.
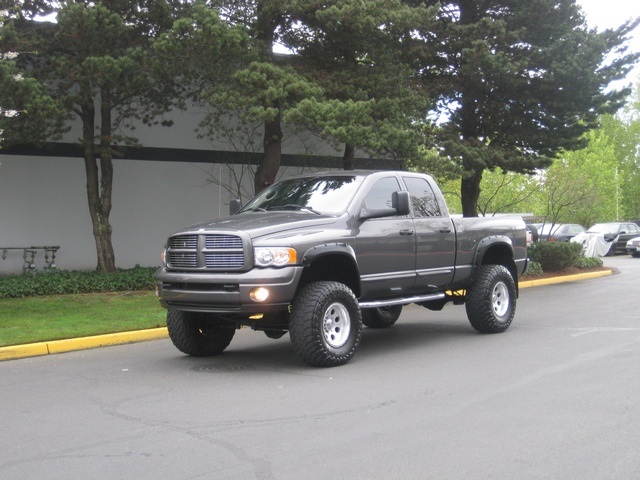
[553, 397]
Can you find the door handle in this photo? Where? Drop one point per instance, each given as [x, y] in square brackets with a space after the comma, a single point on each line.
[445, 230]
[406, 232]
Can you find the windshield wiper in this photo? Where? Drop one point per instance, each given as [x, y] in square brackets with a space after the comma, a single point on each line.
[293, 206]
[255, 209]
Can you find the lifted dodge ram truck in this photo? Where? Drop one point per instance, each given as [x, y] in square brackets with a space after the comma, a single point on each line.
[319, 256]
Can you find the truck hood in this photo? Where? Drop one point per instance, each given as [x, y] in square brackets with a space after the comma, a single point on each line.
[260, 224]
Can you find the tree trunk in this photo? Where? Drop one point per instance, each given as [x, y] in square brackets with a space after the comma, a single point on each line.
[99, 180]
[470, 193]
[270, 164]
[268, 19]
[348, 158]
[472, 164]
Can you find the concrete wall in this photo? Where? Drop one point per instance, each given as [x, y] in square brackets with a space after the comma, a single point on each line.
[43, 198]
[43, 201]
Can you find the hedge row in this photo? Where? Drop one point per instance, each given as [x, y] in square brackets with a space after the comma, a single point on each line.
[545, 257]
[65, 282]
[558, 256]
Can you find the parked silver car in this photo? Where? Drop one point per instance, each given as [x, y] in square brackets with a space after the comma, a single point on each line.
[633, 247]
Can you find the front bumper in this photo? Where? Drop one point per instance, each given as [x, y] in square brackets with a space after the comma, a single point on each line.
[227, 293]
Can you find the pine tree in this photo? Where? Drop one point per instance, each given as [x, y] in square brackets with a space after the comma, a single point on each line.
[94, 63]
[520, 81]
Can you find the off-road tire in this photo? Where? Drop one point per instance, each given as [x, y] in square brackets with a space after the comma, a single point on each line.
[198, 334]
[381, 317]
[325, 324]
[491, 300]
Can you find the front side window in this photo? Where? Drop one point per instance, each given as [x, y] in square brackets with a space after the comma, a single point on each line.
[379, 197]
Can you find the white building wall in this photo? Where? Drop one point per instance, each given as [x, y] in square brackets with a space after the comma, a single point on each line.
[44, 202]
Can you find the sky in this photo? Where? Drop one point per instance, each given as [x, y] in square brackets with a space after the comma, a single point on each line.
[602, 14]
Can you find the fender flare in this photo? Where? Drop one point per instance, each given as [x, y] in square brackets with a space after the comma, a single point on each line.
[328, 248]
[501, 241]
[315, 254]
[485, 245]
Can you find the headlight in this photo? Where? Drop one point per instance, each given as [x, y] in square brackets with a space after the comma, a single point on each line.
[274, 256]
[163, 256]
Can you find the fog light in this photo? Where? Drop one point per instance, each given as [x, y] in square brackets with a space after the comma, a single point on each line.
[259, 294]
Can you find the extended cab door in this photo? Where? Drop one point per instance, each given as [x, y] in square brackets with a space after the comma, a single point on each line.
[386, 246]
[435, 236]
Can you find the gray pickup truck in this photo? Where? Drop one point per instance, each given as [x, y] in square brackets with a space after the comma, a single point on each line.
[319, 256]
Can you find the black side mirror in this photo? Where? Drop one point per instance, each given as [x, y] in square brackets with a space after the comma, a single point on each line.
[234, 206]
[399, 206]
[401, 201]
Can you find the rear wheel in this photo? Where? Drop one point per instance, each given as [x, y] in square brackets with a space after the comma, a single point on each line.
[325, 324]
[382, 317]
[198, 334]
[491, 300]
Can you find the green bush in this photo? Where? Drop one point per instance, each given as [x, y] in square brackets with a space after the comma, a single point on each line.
[65, 282]
[533, 270]
[555, 256]
[588, 262]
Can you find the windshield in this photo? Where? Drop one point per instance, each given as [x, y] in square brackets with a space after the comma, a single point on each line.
[323, 195]
[604, 228]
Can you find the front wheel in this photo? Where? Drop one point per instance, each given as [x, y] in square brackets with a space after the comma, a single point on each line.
[491, 300]
[325, 324]
[198, 334]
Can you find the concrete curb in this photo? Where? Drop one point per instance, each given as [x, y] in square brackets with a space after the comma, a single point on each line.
[564, 279]
[72, 344]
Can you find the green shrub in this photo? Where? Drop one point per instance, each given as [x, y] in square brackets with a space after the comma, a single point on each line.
[555, 256]
[533, 269]
[588, 262]
[65, 282]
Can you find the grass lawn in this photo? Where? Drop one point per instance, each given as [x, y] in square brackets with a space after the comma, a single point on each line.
[37, 319]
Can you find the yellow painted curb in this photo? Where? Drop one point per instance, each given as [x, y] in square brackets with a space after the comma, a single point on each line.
[22, 351]
[564, 279]
[60, 346]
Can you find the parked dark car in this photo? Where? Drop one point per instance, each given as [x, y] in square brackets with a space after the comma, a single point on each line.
[633, 247]
[559, 232]
[618, 232]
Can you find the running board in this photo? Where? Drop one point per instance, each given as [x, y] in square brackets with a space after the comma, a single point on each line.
[402, 301]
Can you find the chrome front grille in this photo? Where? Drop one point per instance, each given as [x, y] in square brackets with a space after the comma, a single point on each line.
[221, 252]
[184, 241]
[183, 260]
[222, 241]
[224, 260]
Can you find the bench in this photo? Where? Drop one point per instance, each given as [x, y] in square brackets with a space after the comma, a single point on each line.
[29, 256]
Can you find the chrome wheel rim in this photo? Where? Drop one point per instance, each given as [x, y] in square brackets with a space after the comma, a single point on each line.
[500, 299]
[336, 325]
